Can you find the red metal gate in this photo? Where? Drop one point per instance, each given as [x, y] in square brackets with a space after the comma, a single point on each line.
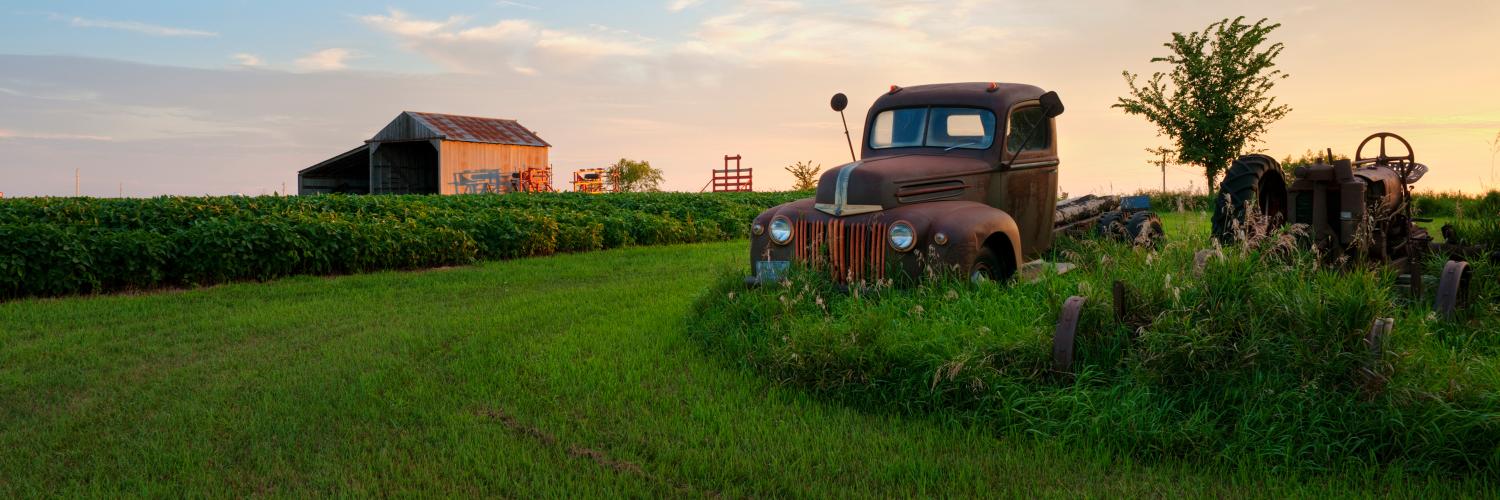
[732, 180]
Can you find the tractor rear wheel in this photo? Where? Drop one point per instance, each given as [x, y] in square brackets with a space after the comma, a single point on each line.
[1144, 228]
[1255, 181]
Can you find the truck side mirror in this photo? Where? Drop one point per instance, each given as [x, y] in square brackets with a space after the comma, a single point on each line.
[839, 102]
[1051, 104]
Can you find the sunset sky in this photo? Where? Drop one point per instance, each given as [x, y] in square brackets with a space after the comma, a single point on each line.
[229, 97]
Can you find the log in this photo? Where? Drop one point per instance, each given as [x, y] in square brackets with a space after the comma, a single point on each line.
[1082, 208]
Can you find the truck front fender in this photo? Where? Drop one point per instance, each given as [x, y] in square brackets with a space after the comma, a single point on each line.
[971, 226]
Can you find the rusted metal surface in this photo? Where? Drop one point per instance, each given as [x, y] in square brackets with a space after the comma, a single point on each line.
[976, 198]
[1360, 206]
[1453, 289]
[1375, 369]
[472, 129]
[1063, 339]
[848, 252]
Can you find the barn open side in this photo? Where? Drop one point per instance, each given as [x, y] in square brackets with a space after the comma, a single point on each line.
[430, 153]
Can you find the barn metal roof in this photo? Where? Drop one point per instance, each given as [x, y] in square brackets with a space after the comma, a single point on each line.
[477, 129]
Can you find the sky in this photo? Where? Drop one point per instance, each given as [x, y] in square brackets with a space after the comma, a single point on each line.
[190, 97]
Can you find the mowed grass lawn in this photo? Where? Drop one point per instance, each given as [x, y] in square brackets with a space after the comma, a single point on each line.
[566, 375]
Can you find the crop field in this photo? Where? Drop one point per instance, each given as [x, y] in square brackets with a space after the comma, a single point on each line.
[642, 371]
[65, 246]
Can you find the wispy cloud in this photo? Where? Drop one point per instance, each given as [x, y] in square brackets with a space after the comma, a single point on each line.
[517, 45]
[509, 3]
[249, 60]
[14, 134]
[332, 59]
[681, 5]
[135, 27]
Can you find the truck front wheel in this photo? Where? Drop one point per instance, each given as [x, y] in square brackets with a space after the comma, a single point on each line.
[988, 266]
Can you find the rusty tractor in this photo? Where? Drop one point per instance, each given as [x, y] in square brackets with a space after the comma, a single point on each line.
[960, 177]
[1359, 210]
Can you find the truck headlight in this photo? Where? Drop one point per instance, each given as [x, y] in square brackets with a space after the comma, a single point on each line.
[902, 236]
[781, 230]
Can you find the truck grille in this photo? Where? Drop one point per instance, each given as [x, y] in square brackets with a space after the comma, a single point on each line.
[849, 253]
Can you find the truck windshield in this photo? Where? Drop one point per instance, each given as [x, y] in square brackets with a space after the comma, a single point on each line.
[954, 128]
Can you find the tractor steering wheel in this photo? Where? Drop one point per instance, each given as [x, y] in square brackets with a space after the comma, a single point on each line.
[1405, 166]
[1383, 159]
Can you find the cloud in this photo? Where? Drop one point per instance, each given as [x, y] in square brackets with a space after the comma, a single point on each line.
[12, 134]
[137, 27]
[32, 90]
[513, 45]
[508, 3]
[249, 60]
[681, 5]
[325, 60]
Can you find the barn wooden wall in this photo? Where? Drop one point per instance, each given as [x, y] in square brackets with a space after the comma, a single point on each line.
[469, 166]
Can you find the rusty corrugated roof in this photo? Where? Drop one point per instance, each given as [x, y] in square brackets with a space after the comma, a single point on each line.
[477, 129]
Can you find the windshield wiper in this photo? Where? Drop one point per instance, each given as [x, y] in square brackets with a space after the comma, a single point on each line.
[956, 146]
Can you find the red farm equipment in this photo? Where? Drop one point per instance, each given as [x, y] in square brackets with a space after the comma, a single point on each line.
[531, 180]
[591, 180]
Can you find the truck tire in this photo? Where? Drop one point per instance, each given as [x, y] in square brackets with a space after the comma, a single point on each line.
[1148, 223]
[1255, 180]
[989, 267]
[1111, 225]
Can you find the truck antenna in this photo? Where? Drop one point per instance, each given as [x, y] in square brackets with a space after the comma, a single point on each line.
[839, 102]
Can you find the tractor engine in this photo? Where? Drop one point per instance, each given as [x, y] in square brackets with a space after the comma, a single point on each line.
[1336, 200]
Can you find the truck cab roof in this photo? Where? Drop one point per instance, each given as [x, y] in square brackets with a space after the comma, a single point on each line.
[999, 98]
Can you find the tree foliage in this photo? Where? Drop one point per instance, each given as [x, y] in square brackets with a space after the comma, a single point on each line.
[1216, 100]
[632, 176]
[806, 175]
[1309, 157]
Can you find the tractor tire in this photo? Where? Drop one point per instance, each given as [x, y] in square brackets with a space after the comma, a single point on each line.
[988, 267]
[1111, 225]
[1144, 228]
[1253, 180]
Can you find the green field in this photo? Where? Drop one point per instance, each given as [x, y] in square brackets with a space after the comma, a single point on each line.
[564, 375]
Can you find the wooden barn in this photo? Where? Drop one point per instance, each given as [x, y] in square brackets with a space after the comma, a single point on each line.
[431, 153]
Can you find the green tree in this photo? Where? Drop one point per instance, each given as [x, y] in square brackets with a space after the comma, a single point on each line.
[631, 176]
[806, 175]
[1217, 102]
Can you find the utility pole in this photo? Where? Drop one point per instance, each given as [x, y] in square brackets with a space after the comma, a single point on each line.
[1161, 163]
[75, 183]
[122, 190]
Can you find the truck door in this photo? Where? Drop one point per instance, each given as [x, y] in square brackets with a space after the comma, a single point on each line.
[1027, 188]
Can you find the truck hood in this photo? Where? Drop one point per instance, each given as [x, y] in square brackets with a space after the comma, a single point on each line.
[888, 181]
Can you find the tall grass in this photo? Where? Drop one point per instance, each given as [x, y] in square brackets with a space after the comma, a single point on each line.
[1258, 359]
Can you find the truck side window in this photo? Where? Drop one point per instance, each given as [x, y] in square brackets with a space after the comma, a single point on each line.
[1029, 125]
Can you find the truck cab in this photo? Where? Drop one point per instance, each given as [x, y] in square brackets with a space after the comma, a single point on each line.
[952, 178]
